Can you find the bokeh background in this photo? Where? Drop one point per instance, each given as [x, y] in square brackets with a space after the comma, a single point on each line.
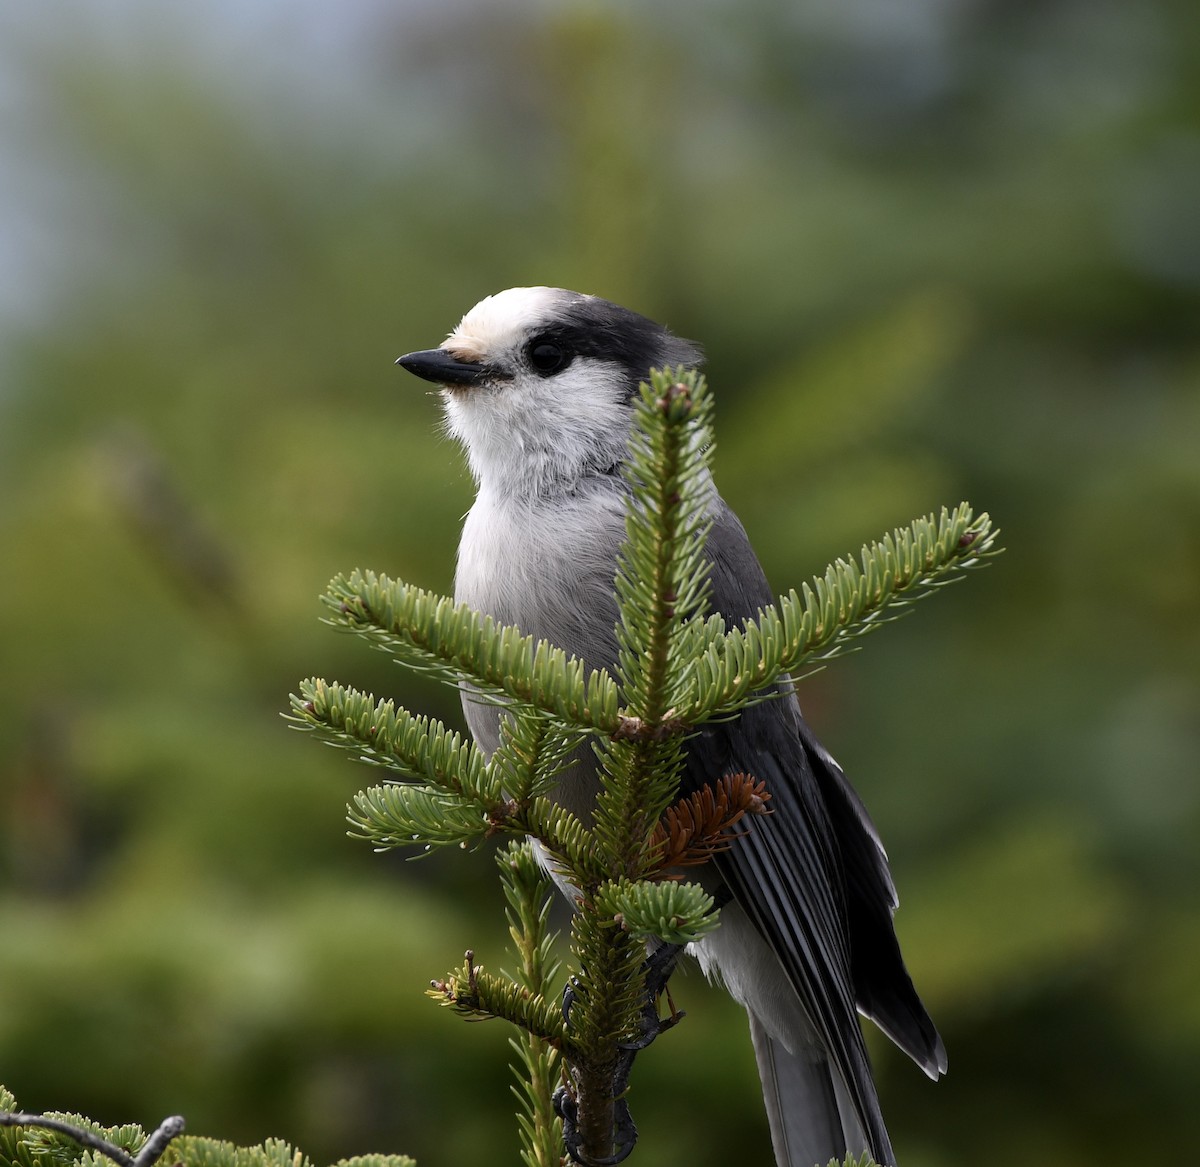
[936, 250]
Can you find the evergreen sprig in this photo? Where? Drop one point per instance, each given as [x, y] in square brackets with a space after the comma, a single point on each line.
[34, 1140]
[678, 666]
[662, 587]
[825, 619]
[71, 1140]
[662, 584]
[418, 748]
[676, 913]
[401, 815]
[479, 995]
[432, 633]
[529, 899]
[534, 750]
[662, 577]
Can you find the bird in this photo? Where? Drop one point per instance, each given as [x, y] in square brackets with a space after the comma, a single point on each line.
[538, 385]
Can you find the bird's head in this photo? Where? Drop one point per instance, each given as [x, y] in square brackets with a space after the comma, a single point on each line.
[538, 384]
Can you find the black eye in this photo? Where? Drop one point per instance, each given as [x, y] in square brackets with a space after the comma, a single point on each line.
[548, 357]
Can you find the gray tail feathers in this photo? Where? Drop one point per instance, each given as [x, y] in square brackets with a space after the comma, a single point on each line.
[812, 1116]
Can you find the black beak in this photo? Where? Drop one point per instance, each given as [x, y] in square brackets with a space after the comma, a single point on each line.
[436, 364]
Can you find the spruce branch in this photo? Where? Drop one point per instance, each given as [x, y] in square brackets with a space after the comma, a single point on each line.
[381, 732]
[478, 995]
[79, 1130]
[71, 1140]
[430, 632]
[675, 913]
[678, 666]
[459, 796]
[696, 827]
[662, 587]
[407, 815]
[606, 1001]
[662, 577]
[570, 846]
[534, 750]
[662, 584]
[412, 815]
[826, 618]
[528, 893]
[377, 1160]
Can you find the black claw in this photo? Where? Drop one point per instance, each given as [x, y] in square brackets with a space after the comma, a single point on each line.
[568, 999]
[564, 1105]
[659, 966]
[625, 1133]
[653, 1027]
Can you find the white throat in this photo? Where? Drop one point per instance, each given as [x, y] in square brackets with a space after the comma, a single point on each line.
[535, 436]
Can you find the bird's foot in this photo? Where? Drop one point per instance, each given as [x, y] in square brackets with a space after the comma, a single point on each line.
[624, 1131]
[659, 966]
[568, 999]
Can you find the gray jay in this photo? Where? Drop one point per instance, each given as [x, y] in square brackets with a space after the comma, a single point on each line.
[537, 385]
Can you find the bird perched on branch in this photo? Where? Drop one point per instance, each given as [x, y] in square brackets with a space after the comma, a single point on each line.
[538, 385]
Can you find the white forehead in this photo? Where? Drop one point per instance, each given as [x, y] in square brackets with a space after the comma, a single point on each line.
[501, 322]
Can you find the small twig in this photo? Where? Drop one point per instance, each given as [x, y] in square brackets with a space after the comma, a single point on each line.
[150, 1153]
[153, 1148]
[701, 824]
[634, 729]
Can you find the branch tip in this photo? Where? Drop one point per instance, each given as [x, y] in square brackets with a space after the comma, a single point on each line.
[701, 824]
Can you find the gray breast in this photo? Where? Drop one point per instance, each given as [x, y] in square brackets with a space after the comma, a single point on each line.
[548, 568]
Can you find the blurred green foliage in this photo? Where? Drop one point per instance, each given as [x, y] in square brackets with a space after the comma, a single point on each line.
[934, 252]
